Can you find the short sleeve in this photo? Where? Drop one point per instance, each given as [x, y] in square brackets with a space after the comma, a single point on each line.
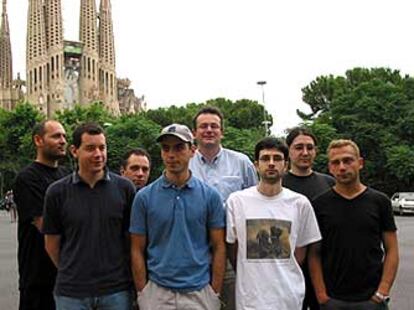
[138, 222]
[231, 233]
[216, 212]
[250, 178]
[129, 197]
[52, 224]
[308, 228]
[387, 216]
[28, 195]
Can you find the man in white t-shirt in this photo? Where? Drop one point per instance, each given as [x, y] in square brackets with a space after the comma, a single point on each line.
[268, 230]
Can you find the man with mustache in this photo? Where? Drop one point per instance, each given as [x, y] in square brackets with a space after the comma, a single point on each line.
[356, 262]
[36, 271]
[268, 273]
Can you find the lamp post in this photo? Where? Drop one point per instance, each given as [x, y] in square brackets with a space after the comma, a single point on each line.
[265, 121]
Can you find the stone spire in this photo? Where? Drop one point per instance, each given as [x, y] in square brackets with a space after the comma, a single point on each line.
[88, 35]
[6, 66]
[37, 71]
[107, 73]
[55, 63]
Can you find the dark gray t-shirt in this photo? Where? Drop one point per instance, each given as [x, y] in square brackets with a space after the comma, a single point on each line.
[311, 185]
[93, 224]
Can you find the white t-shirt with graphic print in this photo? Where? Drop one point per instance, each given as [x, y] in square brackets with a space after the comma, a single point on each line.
[268, 229]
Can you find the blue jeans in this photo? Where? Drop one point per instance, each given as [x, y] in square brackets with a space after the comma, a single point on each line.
[117, 301]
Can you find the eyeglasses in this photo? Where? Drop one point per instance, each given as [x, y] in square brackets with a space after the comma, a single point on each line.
[275, 158]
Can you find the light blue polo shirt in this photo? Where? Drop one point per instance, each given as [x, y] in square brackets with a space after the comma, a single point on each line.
[228, 172]
[176, 222]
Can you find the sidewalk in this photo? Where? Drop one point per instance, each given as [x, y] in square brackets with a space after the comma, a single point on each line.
[8, 263]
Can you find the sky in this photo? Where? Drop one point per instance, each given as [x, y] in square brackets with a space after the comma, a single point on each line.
[182, 51]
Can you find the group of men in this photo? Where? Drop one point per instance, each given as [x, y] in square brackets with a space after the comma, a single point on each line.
[91, 239]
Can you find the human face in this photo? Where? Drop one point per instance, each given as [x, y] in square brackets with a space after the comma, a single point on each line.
[52, 145]
[91, 154]
[137, 170]
[176, 155]
[344, 164]
[271, 165]
[208, 132]
[302, 153]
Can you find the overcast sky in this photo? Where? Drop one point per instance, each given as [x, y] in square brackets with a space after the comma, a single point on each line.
[181, 51]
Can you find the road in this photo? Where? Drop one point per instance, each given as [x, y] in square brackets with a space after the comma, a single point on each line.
[402, 293]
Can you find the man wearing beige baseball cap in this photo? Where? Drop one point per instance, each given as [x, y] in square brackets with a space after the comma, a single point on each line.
[177, 233]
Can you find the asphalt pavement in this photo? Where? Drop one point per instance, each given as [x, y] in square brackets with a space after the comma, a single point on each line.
[402, 294]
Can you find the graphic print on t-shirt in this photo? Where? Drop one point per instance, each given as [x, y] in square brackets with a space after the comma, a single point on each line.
[268, 239]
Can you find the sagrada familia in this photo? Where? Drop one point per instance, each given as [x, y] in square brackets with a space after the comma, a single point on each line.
[60, 73]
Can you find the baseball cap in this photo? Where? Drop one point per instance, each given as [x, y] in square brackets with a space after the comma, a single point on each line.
[182, 132]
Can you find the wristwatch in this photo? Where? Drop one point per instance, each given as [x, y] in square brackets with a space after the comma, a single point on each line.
[384, 298]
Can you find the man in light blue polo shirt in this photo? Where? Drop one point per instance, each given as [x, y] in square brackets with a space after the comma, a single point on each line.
[226, 170]
[177, 233]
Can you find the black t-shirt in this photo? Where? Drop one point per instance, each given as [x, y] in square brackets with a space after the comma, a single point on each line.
[311, 185]
[352, 251]
[35, 267]
[93, 224]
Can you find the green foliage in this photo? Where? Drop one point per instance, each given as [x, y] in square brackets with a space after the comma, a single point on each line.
[375, 108]
[242, 114]
[130, 132]
[242, 140]
[15, 140]
[243, 127]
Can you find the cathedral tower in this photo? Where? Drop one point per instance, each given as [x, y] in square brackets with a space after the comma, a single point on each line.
[107, 76]
[88, 35]
[7, 94]
[55, 64]
[36, 56]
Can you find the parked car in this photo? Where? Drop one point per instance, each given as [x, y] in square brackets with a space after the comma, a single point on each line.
[403, 202]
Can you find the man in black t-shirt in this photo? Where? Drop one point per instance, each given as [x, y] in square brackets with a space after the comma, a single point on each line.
[36, 271]
[303, 179]
[356, 263]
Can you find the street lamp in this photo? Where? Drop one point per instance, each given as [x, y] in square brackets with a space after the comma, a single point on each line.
[265, 121]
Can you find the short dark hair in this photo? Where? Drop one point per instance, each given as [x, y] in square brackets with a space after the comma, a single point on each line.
[138, 152]
[271, 143]
[89, 128]
[209, 110]
[39, 129]
[297, 131]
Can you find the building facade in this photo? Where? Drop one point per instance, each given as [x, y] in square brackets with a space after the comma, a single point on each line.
[59, 73]
[10, 90]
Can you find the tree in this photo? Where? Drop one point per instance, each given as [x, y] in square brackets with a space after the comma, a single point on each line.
[15, 140]
[375, 108]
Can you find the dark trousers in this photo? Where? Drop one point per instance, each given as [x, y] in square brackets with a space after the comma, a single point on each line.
[310, 301]
[36, 299]
[336, 304]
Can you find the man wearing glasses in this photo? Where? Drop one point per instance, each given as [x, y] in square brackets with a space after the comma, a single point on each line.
[268, 229]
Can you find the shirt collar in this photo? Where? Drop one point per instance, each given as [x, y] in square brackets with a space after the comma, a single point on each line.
[215, 159]
[77, 179]
[167, 184]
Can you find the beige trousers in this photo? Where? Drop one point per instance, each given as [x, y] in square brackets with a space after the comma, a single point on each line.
[154, 297]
